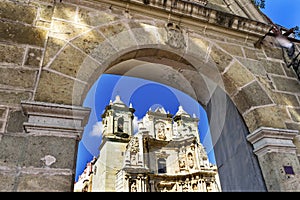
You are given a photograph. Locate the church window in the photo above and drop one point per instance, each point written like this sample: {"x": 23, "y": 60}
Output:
{"x": 162, "y": 167}
{"x": 120, "y": 124}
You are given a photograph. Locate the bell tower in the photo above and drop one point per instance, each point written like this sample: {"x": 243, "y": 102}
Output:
{"x": 117, "y": 131}
{"x": 117, "y": 120}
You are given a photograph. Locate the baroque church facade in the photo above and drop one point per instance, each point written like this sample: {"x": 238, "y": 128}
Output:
{"x": 165, "y": 155}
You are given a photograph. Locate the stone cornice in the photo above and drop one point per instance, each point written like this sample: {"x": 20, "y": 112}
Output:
{"x": 195, "y": 15}
{"x": 54, "y": 119}
{"x": 56, "y": 110}
{"x": 267, "y": 140}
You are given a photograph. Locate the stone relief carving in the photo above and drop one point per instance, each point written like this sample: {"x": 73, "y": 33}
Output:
{"x": 175, "y": 37}
{"x": 133, "y": 187}
{"x": 181, "y": 164}
{"x": 133, "y": 146}
{"x": 190, "y": 160}
{"x": 160, "y": 128}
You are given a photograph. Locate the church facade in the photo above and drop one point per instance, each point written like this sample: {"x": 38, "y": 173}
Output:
{"x": 165, "y": 155}
{"x": 224, "y": 54}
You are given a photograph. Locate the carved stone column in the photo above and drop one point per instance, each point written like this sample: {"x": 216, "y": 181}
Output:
{"x": 53, "y": 132}
{"x": 277, "y": 157}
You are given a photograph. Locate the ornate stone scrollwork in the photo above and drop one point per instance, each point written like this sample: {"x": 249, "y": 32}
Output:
{"x": 175, "y": 36}
{"x": 133, "y": 146}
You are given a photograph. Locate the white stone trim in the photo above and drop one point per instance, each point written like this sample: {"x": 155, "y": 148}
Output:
{"x": 267, "y": 140}
{"x": 54, "y": 119}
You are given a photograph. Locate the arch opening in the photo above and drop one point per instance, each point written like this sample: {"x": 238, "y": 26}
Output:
{"x": 178, "y": 73}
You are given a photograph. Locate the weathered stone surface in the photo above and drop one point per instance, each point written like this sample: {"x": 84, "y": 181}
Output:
{"x": 274, "y": 53}
{"x": 103, "y": 51}
{"x": 232, "y": 49}
{"x": 8, "y": 181}
{"x": 221, "y": 58}
{"x": 94, "y": 17}
{"x": 273, "y": 67}
{"x": 54, "y": 88}
{"x": 270, "y": 116}
{"x": 42, "y": 24}
{"x": 18, "y": 12}
{"x": 254, "y": 66}
{"x": 88, "y": 41}
{"x": 218, "y": 5}
{"x": 68, "y": 66}
{"x": 230, "y": 147}
{"x": 20, "y": 78}
{"x": 285, "y": 99}
{"x": 251, "y": 96}
{"x": 53, "y": 46}
{"x": 14, "y": 97}
{"x": 12, "y": 149}
{"x": 64, "y": 11}
{"x": 144, "y": 33}
{"x": 45, "y": 182}
{"x": 66, "y": 30}
{"x": 2, "y": 126}
{"x": 11, "y": 54}
{"x": 230, "y": 88}
{"x": 198, "y": 47}
{"x": 289, "y": 71}
{"x": 276, "y": 177}
{"x": 295, "y": 114}
{"x": 286, "y": 84}
{"x": 2, "y": 112}
{"x": 46, "y": 12}
{"x": 34, "y": 57}
{"x": 59, "y": 148}
{"x": 119, "y": 35}
{"x": 238, "y": 75}
{"x": 89, "y": 70}
{"x": 279, "y": 98}
{"x": 251, "y": 53}
{"x": 15, "y": 121}
{"x": 19, "y": 33}
{"x": 294, "y": 126}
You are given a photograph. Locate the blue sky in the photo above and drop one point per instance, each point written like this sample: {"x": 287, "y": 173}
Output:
{"x": 283, "y": 12}
{"x": 144, "y": 94}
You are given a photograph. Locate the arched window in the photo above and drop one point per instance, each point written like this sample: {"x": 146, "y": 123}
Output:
{"x": 120, "y": 124}
{"x": 162, "y": 166}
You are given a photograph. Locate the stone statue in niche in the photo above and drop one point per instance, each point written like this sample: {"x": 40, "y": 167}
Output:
{"x": 133, "y": 187}
{"x": 134, "y": 145}
{"x": 160, "y": 131}
{"x": 190, "y": 160}
{"x": 181, "y": 164}
{"x": 133, "y": 159}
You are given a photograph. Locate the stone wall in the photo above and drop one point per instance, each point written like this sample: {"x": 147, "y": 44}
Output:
{"x": 53, "y": 52}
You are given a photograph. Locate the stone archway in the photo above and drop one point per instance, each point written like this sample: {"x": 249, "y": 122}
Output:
{"x": 229, "y": 128}
{"x": 217, "y": 74}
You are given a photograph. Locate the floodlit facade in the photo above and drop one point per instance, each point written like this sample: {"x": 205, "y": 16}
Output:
{"x": 165, "y": 155}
